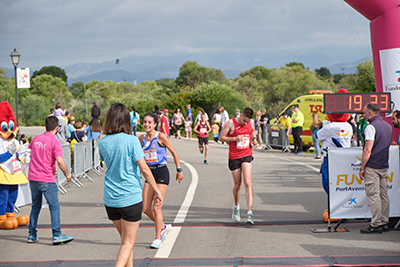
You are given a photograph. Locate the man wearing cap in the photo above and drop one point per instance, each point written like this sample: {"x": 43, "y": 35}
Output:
{"x": 95, "y": 111}
{"x": 164, "y": 127}
{"x": 286, "y": 121}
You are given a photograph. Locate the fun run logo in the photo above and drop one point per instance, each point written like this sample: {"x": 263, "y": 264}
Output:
{"x": 398, "y": 72}
{"x": 39, "y": 145}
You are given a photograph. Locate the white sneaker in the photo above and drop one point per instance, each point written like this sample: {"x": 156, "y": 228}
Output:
{"x": 236, "y": 213}
{"x": 164, "y": 232}
{"x": 157, "y": 243}
{"x": 250, "y": 219}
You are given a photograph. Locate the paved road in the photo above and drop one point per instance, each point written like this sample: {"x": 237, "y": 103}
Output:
{"x": 288, "y": 202}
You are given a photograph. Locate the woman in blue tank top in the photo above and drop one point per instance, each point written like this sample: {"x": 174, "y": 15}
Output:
{"x": 155, "y": 145}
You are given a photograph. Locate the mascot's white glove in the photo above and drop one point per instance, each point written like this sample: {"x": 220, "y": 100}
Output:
{"x": 325, "y": 122}
{"x": 13, "y": 146}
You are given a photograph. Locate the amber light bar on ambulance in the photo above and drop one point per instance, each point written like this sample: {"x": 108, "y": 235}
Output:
{"x": 355, "y": 102}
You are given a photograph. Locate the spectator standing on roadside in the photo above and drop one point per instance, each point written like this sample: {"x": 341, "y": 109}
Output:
{"x": 237, "y": 111}
{"x": 188, "y": 127}
{"x": 62, "y": 130}
{"x": 124, "y": 158}
{"x": 374, "y": 166}
{"x": 46, "y": 152}
{"x": 178, "y": 121}
{"x": 315, "y": 126}
{"x": 189, "y": 112}
{"x": 396, "y": 124}
{"x": 215, "y": 131}
{"x": 71, "y": 127}
{"x": 59, "y": 111}
{"x": 78, "y": 134}
{"x": 258, "y": 129}
{"x": 241, "y": 135}
{"x": 93, "y": 131}
{"x": 164, "y": 128}
{"x": 198, "y": 117}
{"x": 135, "y": 120}
{"x": 95, "y": 112}
{"x": 202, "y": 128}
{"x": 66, "y": 116}
{"x": 224, "y": 120}
{"x": 297, "y": 128}
{"x": 286, "y": 121}
{"x": 264, "y": 122}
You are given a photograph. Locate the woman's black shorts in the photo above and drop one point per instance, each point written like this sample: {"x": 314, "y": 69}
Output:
{"x": 178, "y": 127}
{"x": 234, "y": 164}
{"x": 131, "y": 213}
{"x": 160, "y": 173}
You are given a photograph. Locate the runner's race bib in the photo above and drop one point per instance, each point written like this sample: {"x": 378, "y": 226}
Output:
{"x": 245, "y": 143}
{"x": 203, "y": 130}
{"x": 150, "y": 156}
{"x": 16, "y": 166}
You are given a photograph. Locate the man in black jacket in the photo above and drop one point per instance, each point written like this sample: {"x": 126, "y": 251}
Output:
{"x": 95, "y": 111}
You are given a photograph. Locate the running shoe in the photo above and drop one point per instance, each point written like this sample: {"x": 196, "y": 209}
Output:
{"x": 32, "y": 239}
{"x": 62, "y": 239}
{"x": 164, "y": 232}
{"x": 317, "y": 158}
{"x": 157, "y": 243}
{"x": 250, "y": 219}
{"x": 205, "y": 162}
{"x": 236, "y": 214}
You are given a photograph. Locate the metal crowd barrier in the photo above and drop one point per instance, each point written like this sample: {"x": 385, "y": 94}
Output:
{"x": 79, "y": 162}
{"x": 96, "y": 157}
{"x": 60, "y": 177}
{"x": 265, "y": 136}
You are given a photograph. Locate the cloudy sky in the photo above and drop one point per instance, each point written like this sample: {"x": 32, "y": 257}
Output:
{"x": 66, "y": 32}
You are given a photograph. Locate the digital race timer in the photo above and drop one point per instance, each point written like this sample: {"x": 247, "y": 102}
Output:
{"x": 355, "y": 102}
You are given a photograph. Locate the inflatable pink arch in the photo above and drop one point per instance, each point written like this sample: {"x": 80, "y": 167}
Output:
{"x": 385, "y": 39}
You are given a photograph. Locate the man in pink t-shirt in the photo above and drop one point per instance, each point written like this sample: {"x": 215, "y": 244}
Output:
{"x": 46, "y": 152}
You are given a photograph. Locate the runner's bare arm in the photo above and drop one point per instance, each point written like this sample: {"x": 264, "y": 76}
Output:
{"x": 195, "y": 127}
{"x": 163, "y": 139}
{"x": 228, "y": 128}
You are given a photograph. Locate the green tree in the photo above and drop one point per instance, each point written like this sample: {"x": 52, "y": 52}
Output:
{"x": 53, "y": 71}
{"x": 49, "y": 87}
{"x": 209, "y": 96}
{"x": 365, "y": 77}
{"x": 295, "y": 65}
{"x": 77, "y": 89}
{"x": 257, "y": 72}
{"x": 323, "y": 72}
{"x": 7, "y": 86}
{"x": 192, "y": 74}
{"x": 337, "y": 78}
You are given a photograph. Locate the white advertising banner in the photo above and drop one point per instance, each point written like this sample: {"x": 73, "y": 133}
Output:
{"x": 390, "y": 66}
{"x": 347, "y": 199}
{"x": 24, "y": 78}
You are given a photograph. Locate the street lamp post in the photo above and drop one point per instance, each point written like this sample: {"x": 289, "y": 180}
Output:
{"x": 15, "y": 60}
{"x": 117, "y": 62}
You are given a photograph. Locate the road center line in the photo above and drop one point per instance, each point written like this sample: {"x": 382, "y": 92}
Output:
{"x": 169, "y": 242}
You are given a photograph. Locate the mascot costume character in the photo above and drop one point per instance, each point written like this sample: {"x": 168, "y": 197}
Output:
{"x": 10, "y": 169}
{"x": 336, "y": 132}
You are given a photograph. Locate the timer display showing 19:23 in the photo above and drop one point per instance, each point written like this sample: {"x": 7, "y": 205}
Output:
{"x": 355, "y": 102}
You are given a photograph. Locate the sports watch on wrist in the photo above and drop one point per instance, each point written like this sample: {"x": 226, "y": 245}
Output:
{"x": 179, "y": 169}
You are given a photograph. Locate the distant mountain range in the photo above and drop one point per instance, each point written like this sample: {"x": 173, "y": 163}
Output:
{"x": 139, "y": 69}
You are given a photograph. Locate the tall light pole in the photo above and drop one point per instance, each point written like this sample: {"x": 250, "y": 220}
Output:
{"x": 15, "y": 60}
{"x": 117, "y": 62}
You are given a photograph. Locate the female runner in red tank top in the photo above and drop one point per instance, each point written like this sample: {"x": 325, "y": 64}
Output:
{"x": 241, "y": 135}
